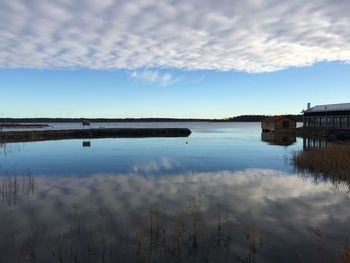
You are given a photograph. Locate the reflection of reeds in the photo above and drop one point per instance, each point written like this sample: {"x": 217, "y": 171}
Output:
{"x": 12, "y": 185}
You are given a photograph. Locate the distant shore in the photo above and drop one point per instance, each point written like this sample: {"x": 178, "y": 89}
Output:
{"x": 242, "y": 118}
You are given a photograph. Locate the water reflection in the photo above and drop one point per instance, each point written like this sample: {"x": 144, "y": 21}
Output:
{"x": 315, "y": 143}
{"x": 324, "y": 160}
{"x": 162, "y": 165}
{"x": 86, "y": 143}
{"x": 278, "y": 138}
{"x": 210, "y": 148}
{"x": 13, "y": 186}
{"x": 8, "y": 149}
{"x": 253, "y": 215}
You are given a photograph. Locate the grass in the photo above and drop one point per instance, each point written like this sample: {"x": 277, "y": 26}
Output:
{"x": 161, "y": 238}
{"x": 332, "y": 162}
{"x": 13, "y": 186}
{"x": 160, "y": 241}
{"x": 344, "y": 256}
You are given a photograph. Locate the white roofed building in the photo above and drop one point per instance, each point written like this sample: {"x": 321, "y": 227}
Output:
{"x": 328, "y": 116}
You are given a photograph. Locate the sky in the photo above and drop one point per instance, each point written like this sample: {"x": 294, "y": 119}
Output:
{"x": 180, "y": 59}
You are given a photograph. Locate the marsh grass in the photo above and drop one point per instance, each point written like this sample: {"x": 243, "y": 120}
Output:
{"x": 13, "y": 186}
{"x": 183, "y": 237}
{"x": 162, "y": 238}
{"x": 332, "y": 162}
{"x": 253, "y": 241}
{"x": 321, "y": 244}
{"x": 344, "y": 256}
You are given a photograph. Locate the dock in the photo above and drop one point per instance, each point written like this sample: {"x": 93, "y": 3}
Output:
{"x": 45, "y": 135}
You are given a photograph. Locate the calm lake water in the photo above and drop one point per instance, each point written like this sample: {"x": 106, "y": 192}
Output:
{"x": 226, "y": 193}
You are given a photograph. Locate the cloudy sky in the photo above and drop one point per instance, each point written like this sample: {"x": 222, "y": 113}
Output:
{"x": 147, "y": 58}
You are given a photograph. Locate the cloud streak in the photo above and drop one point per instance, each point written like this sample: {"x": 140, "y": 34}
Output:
{"x": 251, "y": 36}
{"x": 154, "y": 77}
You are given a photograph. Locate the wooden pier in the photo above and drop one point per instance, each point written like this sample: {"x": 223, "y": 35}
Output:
{"x": 28, "y": 136}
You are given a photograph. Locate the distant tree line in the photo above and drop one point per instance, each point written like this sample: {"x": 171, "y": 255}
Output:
{"x": 51, "y": 120}
{"x": 241, "y": 118}
{"x": 258, "y": 118}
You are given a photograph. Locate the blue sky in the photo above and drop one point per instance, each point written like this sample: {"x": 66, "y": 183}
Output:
{"x": 198, "y": 59}
{"x": 200, "y": 94}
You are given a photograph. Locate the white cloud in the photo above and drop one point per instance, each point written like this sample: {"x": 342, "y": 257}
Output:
{"x": 251, "y": 36}
{"x": 154, "y": 77}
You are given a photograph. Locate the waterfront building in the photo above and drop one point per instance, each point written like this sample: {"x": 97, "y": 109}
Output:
{"x": 328, "y": 116}
{"x": 275, "y": 123}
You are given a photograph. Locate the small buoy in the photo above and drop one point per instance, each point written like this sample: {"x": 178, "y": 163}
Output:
{"x": 186, "y": 142}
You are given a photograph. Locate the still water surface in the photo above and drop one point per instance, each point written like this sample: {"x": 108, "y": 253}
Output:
{"x": 224, "y": 194}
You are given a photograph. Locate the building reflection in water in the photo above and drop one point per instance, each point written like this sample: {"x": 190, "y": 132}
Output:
{"x": 278, "y": 138}
{"x": 315, "y": 143}
{"x": 86, "y": 143}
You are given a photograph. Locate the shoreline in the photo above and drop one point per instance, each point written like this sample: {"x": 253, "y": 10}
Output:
{"x": 240, "y": 118}
{"x": 23, "y": 126}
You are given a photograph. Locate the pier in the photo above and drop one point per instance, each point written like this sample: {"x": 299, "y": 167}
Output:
{"x": 27, "y": 136}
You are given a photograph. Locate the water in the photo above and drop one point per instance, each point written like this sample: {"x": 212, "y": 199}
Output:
{"x": 211, "y": 147}
{"x": 225, "y": 193}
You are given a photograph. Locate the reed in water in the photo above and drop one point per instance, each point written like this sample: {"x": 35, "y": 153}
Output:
{"x": 332, "y": 161}
{"x": 13, "y": 186}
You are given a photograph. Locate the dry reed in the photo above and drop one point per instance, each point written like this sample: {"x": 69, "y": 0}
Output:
{"x": 332, "y": 161}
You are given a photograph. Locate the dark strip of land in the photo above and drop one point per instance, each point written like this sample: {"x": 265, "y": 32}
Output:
{"x": 19, "y": 125}
{"x": 27, "y": 136}
{"x": 242, "y": 118}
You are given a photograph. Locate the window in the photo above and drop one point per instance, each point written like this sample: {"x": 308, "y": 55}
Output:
{"x": 313, "y": 122}
{"x": 329, "y": 122}
{"x": 309, "y": 122}
{"x": 317, "y": 121}
{"x": 345, "y": 122}
{"x": 336, "y": 122}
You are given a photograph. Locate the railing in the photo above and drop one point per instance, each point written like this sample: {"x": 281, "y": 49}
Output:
{"x": 328, "y": 122}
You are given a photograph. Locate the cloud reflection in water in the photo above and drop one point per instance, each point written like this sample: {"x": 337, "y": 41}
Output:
{"x": 284, "y": 208}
